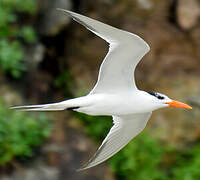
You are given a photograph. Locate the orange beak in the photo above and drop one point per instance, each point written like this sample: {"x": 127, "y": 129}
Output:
{"x": 178, "y": 104}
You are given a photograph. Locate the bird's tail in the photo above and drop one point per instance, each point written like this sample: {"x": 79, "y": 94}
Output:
{"x": 64, "y": 105}
{"x": 41, "y": 107}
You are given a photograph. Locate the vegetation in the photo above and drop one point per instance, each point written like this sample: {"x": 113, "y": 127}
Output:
{"x": 64, "y": 81}
{"x": 140, "y": 159}
{"x": 20, "y": 133}
{"x": 13, "y": 35}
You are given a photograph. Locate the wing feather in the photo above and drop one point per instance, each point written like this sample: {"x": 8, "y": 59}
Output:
{"x": 124, "y": 129}
{"x": 125, "y": 51}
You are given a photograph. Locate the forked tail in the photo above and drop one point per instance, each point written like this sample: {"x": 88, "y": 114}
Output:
{"x": 42, "y": 107}
{"x": 64, "y": 105}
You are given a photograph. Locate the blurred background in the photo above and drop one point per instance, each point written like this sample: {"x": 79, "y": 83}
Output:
{"x": 45, "y": 57}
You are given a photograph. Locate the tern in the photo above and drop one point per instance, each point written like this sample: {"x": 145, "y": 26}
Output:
{"x": 115, "y": 93}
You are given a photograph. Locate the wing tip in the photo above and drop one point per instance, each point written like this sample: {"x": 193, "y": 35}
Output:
{"x": 82, "y": 168}
{"x": 86, "y": 166}
{"x": 91, "y": 163}
{"x": 66, "y": 11}
{"x": 61, "y": 9}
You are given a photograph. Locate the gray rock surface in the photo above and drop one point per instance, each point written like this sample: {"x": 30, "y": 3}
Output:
{"x": 52, "y": 21}
{"x": 188, "y": 13}
{"x": 145, "y": 4}
{"x": 34, "y": 54}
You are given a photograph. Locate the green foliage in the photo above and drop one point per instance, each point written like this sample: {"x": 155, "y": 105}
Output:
{"x": 187, "y": 164}
{"x": 96, "y": 126}
{"x": 28, "y": 34}
{"x": 64, "y": 81}
{"x": 11, "y": 54}
{"x": 145, "y": 158}
{"x": 13, "y": 34}
{"x": 20, "y": 133}
{"x": 140, "y": 160}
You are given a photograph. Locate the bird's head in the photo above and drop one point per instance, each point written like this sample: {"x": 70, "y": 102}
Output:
{"x": 162, "y": 100}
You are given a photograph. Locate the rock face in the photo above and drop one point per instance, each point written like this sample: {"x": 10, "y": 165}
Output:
{"x": 52, "y": 21}
{"x": 34, "y": 55}
{"x": 188, "y": 13}
{"x": 145, "y": 4}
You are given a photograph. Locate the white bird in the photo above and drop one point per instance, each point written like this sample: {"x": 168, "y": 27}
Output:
{"x": 115, "y": 92}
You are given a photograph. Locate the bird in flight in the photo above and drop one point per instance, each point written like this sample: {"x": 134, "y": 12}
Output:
{"x": 115, "y": 93}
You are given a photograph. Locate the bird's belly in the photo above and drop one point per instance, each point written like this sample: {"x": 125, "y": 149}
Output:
{"x": 113, "y": 105}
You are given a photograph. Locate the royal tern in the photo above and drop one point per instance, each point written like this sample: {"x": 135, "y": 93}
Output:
{"x": 115, "y": 93}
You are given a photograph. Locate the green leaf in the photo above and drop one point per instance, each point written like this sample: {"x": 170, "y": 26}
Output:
{"x": 13, "y": 35}
{"x": 28, "y": 34}
{"x": 20, "y": 133}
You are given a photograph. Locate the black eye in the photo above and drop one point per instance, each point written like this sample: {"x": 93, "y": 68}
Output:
{"x": 160, "y": 97}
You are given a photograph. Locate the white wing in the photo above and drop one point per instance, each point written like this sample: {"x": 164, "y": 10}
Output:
{"x": 124, "y": 129}
{"x": 126, "y": 50}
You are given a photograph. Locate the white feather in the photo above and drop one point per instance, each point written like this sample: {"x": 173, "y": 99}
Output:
{"x": 126, "y": 50}
{"x": 124, "y": 129}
